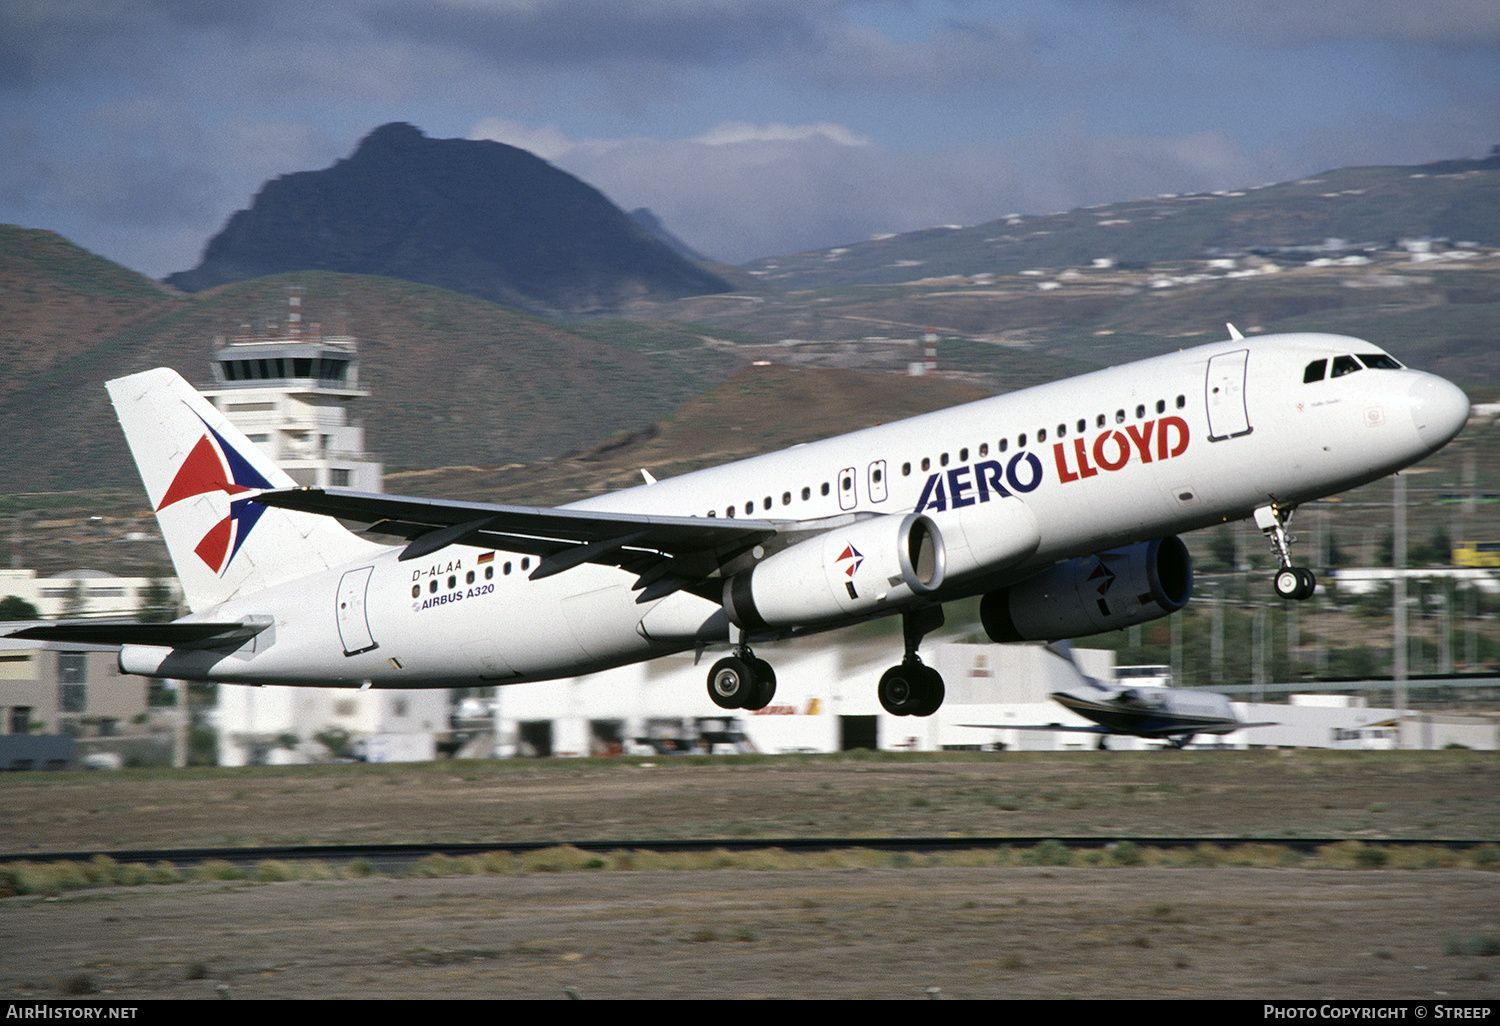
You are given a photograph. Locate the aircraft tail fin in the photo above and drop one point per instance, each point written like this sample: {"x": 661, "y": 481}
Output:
{"x": 1064, "y": 651}
{"x": 201, "y": 474}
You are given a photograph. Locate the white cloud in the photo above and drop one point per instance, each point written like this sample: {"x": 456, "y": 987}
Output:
{"x": 548, "y": 142}
{"x": 740, "y": 191}
{"x": 732, "y": 133}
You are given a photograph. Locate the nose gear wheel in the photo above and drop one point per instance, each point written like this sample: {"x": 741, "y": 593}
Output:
{"x": 1291, "y": 582}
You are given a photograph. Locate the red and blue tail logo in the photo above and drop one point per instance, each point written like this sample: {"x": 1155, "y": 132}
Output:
{"x": 215, "y": 467}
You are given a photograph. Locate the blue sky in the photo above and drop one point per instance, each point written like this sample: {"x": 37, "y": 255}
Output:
{"x": 751, "y": 127}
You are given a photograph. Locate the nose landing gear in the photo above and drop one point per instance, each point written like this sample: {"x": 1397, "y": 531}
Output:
{"x": 1291, "y": 582}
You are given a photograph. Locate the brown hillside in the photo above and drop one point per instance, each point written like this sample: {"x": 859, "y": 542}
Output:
{"x": 58, "y": 301}
{"x": 453, "y": 379}
{"x": 760, "y": 409}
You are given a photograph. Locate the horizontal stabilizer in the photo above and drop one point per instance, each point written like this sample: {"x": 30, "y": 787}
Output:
{"x": 130, "y": 632}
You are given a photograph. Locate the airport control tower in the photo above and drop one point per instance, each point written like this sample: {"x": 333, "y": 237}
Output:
{"x": 290, "y": 391}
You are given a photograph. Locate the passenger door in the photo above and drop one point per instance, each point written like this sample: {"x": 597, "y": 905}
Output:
{"x": 847, "y": 495}
{"x": 1228, "y": 413}
{"x": 354, "y": 625}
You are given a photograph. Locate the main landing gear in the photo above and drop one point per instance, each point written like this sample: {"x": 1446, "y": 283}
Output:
{"x": 742, "y": 681}
{"x": 913, "y": 689}
{"x": 1291, "y": 582}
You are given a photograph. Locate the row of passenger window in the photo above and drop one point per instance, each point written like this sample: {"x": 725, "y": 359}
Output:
{"x": 877, "y": 475}
{"x": 1342, "y": 365}
{"x": 469, "y": 578}
{"x": 1082, "y": 425}
{"x": 766, "y": 503}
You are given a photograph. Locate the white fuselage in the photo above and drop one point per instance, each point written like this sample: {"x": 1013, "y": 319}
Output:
{"x": 1137, "y": 452}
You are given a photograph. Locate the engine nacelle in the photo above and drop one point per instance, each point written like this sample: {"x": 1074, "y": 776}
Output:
{"x": 864, "y": 568}
{"x": 1103, "y": 592}
{"x": 982, "y": 538}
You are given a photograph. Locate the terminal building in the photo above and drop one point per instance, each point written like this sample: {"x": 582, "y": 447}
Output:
{"x": 61, "y": 703}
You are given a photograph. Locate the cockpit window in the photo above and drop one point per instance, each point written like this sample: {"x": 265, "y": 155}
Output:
{"x": 1344, "y": 365}
{"x": 1378, "y": 361}
{"x": 1314, "y": 372}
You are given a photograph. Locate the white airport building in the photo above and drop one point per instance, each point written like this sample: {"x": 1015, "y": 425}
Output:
{"x": 280, "y": 725}
{"x": 83, "y": 592}
{"x": 826, "y": 702}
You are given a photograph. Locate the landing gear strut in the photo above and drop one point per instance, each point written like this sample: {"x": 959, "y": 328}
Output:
{"x": 913, "y": 689}
{"x": 741, "y": 681}
{"x": 1291, "y": 582}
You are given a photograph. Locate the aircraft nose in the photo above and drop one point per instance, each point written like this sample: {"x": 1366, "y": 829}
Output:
{"x": 1439, "y": 410}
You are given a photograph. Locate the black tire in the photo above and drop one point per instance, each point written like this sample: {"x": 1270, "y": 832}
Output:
{"x": 1295, "y": 582}
{"x": 901, "y": 690}
{"x": 765, "y": 685}
{"x": 933, "y": 691}
{"x": 731, "y": 683}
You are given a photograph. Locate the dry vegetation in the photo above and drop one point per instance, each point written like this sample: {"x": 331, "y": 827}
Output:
{"x": 1297, "y": 794}
{"x": 1353, "y": 920}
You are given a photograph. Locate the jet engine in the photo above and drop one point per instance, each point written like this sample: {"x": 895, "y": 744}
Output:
{"x": 869, "y": 566}
{"x": 984, "y": 537}
{"x": 1103, "y": 592}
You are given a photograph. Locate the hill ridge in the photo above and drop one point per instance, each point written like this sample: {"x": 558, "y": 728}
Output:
{"x": 473, "y": 216}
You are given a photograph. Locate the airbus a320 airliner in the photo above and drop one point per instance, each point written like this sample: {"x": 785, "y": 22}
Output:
{"x": 1060, "y": 505}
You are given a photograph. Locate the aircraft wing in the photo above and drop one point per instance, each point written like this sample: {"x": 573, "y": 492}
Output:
{"x": 129, "y": 632}
{"x": 667, "y": 552}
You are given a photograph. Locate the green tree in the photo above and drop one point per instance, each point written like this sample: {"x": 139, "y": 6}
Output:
{"x": 157, "y": 603}
{"x": 1360, "y": 661}
{"x": 337, "y": 740}
{"x": 1336, "y": 556}
{"x": 13, "y": 607}
{"x": 1221, "y": 550}
{"x": 1385, "y": 552}
{"x": 1437, "y": 552}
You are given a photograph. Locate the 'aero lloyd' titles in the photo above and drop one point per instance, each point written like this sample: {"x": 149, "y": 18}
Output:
{"x": 1114, "y": 449}
{"x": 1148, "y": 442}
